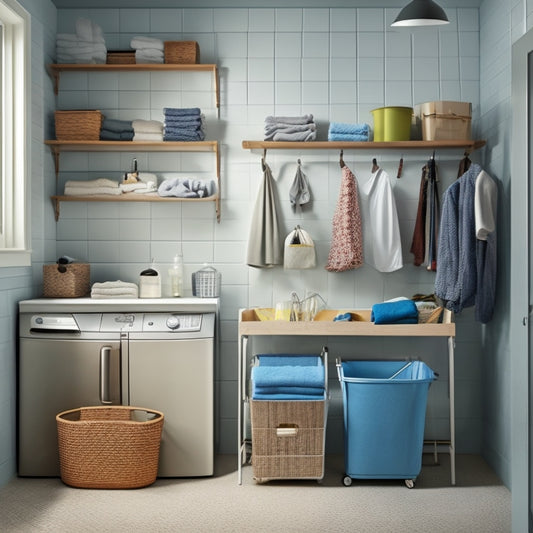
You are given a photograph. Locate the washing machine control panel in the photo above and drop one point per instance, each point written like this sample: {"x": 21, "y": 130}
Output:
{"x": 173, "y": 322}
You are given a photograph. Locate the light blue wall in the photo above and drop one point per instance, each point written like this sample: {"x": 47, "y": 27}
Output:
{"x": 21, "y": 283}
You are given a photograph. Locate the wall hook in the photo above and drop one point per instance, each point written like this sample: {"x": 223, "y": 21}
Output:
{"x": 341, "y": 160}
{"x": 375, "y": 166}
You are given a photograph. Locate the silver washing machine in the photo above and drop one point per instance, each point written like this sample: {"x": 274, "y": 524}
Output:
{"x": 153, "y": 359}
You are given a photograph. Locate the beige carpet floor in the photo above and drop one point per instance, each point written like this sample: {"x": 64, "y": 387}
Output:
{"x": 479, "y": 503}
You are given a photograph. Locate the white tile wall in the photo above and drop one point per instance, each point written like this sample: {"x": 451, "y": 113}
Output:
{"x": 336, "y": 63}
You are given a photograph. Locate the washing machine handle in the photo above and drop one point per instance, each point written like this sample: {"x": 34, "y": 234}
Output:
{"x": 105, "y": 361}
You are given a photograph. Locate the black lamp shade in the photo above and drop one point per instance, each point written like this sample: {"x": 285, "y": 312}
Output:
{"x": 421, "y": 13}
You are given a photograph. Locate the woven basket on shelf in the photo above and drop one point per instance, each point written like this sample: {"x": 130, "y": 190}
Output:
{"x": 120, "y": 58}
{"x": 109, "y": 447}
{"x": 78, "y": 125}
{"x": 66, "y": 281}
{"x": 206, "y": 283}
{"x": 430, "y": 315}
{"x": 182, "y": 52}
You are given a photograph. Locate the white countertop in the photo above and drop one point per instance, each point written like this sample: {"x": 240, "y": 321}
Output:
{"x": 114, "y": 305}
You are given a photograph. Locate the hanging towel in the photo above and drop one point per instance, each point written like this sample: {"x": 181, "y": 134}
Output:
{"x": 381, "y": 229}
{"x": 346, "y": 250}
{"x": 265, "y": 245}
{"x": 396, "y": 312}
{"x": 299, "y": 192}
{"x": 418, "y": 248}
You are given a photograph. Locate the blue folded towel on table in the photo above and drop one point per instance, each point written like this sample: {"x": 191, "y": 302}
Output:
{"x": 396, "y": 312}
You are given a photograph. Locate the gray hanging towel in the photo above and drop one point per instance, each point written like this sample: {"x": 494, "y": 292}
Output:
{"x": 346, "y": 249}
{"x": 265, "y": 246}
{"x": 299, "y": 192}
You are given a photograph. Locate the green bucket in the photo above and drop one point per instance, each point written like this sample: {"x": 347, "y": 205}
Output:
{"x": 392, "y": 123}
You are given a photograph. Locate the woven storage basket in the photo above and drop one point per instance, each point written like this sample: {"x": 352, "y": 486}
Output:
{"x": 288, "y": 439}
{"x": 66, "y": 281}
{"x": 78, "y": 125}
{"x": 206, "y": 283}
{"x": 120, "y": 58}
{"x": 182, "y": 52}
{"x": 430, "y": 315}
{"x": 108, "y": 447}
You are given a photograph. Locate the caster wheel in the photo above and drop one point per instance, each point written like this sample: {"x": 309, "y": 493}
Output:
{"x": 410, "y": 483}
{"x": 347, "y": 480}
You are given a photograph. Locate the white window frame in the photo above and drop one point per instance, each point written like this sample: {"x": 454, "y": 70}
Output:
{"x": 15, "y": 137}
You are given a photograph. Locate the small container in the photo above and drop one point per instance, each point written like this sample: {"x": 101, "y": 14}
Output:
{"x": 392, "y": 123}
{"x": 150, "y": 283}
{"x": 176, "y": 276}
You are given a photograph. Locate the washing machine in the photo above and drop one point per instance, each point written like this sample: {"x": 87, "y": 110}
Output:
{"x": 156, "y": 354}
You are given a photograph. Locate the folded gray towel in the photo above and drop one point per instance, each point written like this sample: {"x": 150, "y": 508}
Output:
{"x": 305, "y": 119}
{"x": 299, "y": 136}
{"x": 271, "y": 131}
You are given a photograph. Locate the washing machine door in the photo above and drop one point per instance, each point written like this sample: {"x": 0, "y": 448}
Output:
{"x": 56, "y": 375}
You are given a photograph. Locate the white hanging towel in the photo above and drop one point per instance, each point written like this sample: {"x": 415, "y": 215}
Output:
{"x": 381, "y": 230}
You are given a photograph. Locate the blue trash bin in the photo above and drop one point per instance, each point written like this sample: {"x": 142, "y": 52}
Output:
{"x": 384, "y": 416}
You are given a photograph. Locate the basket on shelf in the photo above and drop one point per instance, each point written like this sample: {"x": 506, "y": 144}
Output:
{"x": 206, "y": 283}
{"x": 429, "y": 315}
{"x": 109, "y": 447}
{"x": 120, "y": 58}
{"x": 79, "y": 125}
{"x": 182, "y": 52}
{"x": 66, "y": 281}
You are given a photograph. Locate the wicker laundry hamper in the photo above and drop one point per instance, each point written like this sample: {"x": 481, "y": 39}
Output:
{"x": 66, "y": 281}
{"x": 109, "y": 447}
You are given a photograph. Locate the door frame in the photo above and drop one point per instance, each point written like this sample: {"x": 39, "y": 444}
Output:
{"x": 519, "y": 345}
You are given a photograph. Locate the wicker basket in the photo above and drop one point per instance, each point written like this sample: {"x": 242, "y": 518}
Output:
{"x": 288, "y": 439}
{"x": 78, "y": 125}
{"x": 182, "y": 52}
{"x": 66, "y": 281}
{"x": 206, "y": 283}
{"x": 430, "y": 315}
{"x": 120, "y": 58}
{"x": 109, "y": 447}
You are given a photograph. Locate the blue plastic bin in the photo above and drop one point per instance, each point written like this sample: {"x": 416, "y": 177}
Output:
{"x": 384, "y": 417}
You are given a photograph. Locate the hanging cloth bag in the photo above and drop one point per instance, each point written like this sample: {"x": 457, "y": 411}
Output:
{"x": 299, "y": 194}
{"x": 299, "y": 251}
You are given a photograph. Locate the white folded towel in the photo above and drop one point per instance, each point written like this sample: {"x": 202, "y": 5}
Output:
{"x": 147, "y": 42}
{"x": 149, "y": 187}
{"x": 92, "y": 191}
{"x": 147, "y": 126}
{"x": 118, "y": 284}
{"x": 88, "y": 30}
{"x": 148, "y": 58}
{"x": 129, "y": 187}
{"x": 144, "y": 136}
{"x": 99, "y": 182}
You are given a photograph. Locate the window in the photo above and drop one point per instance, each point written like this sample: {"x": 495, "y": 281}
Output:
{"x": 14, "y": 133}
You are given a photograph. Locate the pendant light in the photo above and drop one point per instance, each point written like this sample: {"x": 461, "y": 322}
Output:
{"x": 421, "y": 13}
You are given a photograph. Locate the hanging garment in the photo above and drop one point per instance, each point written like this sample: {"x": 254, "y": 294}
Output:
{"x": 467, "y": 245}
{"x": 418, "y": 245}
{"x": 299, "y": 192}
{"x": 464, "y": 165}
{"x": 346, "y": 249}
{"x": 381, "y": 230}
{"x": 265, "y": 246}
{"x": 433, "y": 215}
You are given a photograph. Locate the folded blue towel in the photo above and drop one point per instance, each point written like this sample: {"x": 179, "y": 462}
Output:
{"x": 289, "y": 360}
{"x": 189, "y": 124}
{"x": 289, "y": 397}
{"x": 183, "y": 135}
{"x": 285, "y": 376}
{"x": 352, "y": 129}
{"x": 118, "y": 126}
{"x": 108, "y": 135}
{"x": 348, "y": 137}
{"x": 397, "y": 312}
{"x": 257, "y": 389}
{"x": 181, "y": 111}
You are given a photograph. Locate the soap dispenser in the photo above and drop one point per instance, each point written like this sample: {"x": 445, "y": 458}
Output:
{"x": 150, "y": 283}
{"x": 176, "y": 276}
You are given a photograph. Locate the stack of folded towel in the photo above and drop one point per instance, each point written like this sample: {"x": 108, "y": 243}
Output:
{"x": 342, "y": 131}
{"x": 92, "y": 187}
{"x": 400, "y": 311}
{"x": 183, "y": 124}
{"x": 290, "y": 128}
{"x": 87, "y": 45}
{"x": 288, "y": 377}
{"x": 187, "y": 188}
{"x": 114, "y": 289}
{"x": 148, "y": 49}
{"x": 116, "y": 130}
{"x": 146, "y": 183}
{"x": 147, "y": 130}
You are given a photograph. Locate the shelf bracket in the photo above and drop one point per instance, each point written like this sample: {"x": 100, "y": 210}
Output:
{"x": 55, "y": 153}
{"x": 57, "y": 204}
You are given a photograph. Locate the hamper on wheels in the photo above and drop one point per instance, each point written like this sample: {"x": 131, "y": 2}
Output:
{"x": 384, "y": 406}
{"x": 109, "y": 447}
